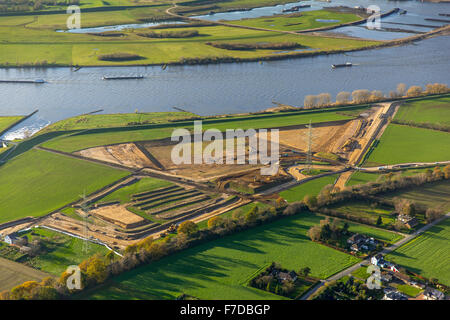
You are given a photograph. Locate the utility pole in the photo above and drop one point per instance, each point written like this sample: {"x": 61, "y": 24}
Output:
{"x": 85, "y": 208}
{"x": 309, "y": 152}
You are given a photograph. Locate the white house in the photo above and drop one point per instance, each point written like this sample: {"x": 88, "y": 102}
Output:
{"x": 10, "y": 239}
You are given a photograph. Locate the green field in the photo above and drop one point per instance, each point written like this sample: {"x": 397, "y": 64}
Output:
{"x": 307, "y": 20}
{"x": 403, "y": 144}
{"x": 429, "y": 110}
{"x": 221, "y": 268}
{"x": 312, "y": 187}
{"x": 115, "y": 120}
{"x": 427, "y": 255}
{"x": 5, "y": 122}
{"x": 435, "y": 195}
{"x": 38, "y": 182}
{"x": 241, "y": 210}
{"x": 123, "y": 195}
{"x": 359, "y": 177}
{"x": 32, "y": 40}
{"x": 409, "y": 290}
{"x": 61, "y": 251}
{"x": 83, "y": 141}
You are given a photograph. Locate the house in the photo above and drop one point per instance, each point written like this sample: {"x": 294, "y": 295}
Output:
{"x": 433, "y": 294}
{"x": 356, "y": 238}
{"x": 288, "y": 276}
{"x": 386, "y": 277}
{"x": 394, "y": 295}
{"x": 402, "y": 277}
{"x": 378, "y": 260}
{"x": 394, "y": 268}
{"x": 408, "y": 221}
{"x": 11, "y": 239}
{"x": 25, "y": 249}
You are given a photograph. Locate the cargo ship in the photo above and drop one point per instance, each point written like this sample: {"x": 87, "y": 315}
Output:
{"x": 347, "y": 64}
{"x": 296, "y": 8}
{"x": 23, "y": 81}
{"x": 123, "y": 77}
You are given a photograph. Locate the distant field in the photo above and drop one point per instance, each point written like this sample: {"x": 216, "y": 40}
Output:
{"x": 402, "y": 144}
{"x": 429, "y": 110}
{"x": 221, "y": 268}
{"x": 5, "y": 122}
{"x": 307, "y": 20}
{"x": 63, "y": 250}
{"x": 83, "y": 141}
{"x": 241, "y": 210}
{"x": 360, "y": 177}
{"x": 313, "y": 187}
{"x": 429, "y": 254}
{"x": 12, "y": 274}
{"x": 38, "y": 182}
{"x": 436, "y": 195}
{"x": 365, "y": 210}
{"x": 115, "y": 120}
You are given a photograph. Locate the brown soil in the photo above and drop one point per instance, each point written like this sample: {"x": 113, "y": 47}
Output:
{"x": 119, "y": 215}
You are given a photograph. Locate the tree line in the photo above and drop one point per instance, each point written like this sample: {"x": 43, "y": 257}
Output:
{"x": 366, "y": 96}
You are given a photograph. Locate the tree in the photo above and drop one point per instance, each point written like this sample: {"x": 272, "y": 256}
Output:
{"x": 379, "y": 221}
{"x": 361, "y": 96}
{"x": 252, "y": 214}
{"x": 447, "y": 171}
{"x": 214, "y": 222}
{"x": 401, "y": 89}
{"x": 305, "y": 271}
{"x": 437, "y": 173}
{"x": 310, "y": 201}
{"x": 323, "y": 99}
{"x": 310, "y": 101}
{"x": 188, "y": 227}
{"x": 110, "y": 256}
{"x": 414, "y": 91}
{"x": 280, "y": 202}
{"x": 343, "y": 97}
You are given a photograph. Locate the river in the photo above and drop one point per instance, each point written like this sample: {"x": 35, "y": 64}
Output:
{"x": 219, "y": 89}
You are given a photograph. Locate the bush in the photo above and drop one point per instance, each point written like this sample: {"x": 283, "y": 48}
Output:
{"x": 119, "y": 56}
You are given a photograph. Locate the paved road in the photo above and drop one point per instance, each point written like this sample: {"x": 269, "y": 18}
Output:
{"x": 366, "y": 262}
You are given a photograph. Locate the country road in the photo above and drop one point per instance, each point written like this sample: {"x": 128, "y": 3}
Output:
{"x": 366, "y": 261}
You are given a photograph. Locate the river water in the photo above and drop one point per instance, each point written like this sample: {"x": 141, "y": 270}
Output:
{"x": 222, "y": 88}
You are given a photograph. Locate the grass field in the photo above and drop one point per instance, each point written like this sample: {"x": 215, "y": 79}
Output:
{"x": 386, "y": 236}
{"x": 12, "y": 274}
{"x": 429, "y": 110}
{"x": 313, "y": 187}
{"x": 403, "y": 144}
{"x": 220, "y": 269}
{"x": 83, "y": 141}
{"x": 115, "y": 120}
{"x": 32, "y": 40}
{"x": 307, "y": 20}
{"x": 61, "y": 251}
{"x": 360, "y": 177}
{"x": 436, "y": 195}
{"x": 241, "y": 210}
{"x": 427, "y": 255}
{"x": 38, "y": 182}
{"x": 5, "y": 122}
{"x": 123, "y": 195}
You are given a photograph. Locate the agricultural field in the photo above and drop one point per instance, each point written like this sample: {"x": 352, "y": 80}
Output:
{"x": 221, "y": 268}
{"x": 33, "y": 41}
{"x": 428, "y": 254}
{"x": 433, "y": 195}
{"x": 115, "y": 120}
{"x": 60, "y": 251}
{"x": 239, "y": 211}
{"x": 404, "y": 144}
{"x": 360, "y": 177}
{"x": 428, "y": 110}
{"x": 296, "y": 22}
{"x": 312, "y": 188}
{"x": 38, "y": 182}
{"x": 13, "y": 274}
{"x": 5, "y": 122}
{"x": 104, "y": 137}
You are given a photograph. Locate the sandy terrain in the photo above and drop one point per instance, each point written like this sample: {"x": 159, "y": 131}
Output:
{"x": 124, "y": 154}
{"x": 119, "y": 215}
